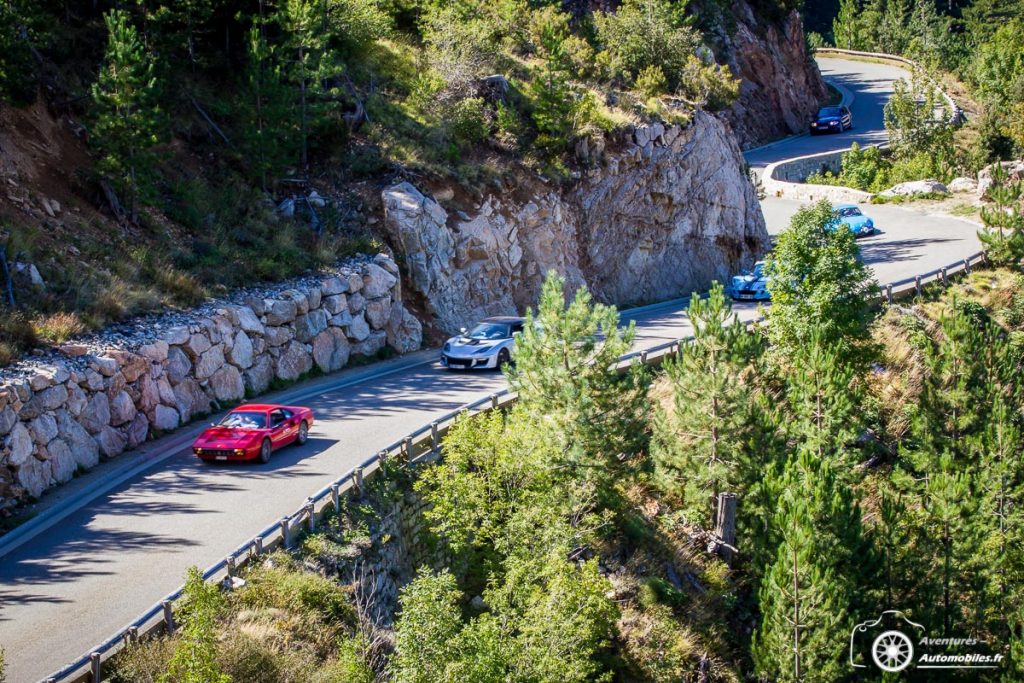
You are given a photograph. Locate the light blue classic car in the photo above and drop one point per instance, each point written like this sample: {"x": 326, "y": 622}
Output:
{"x": 851, "y": 216}
{"x": 750, "y": 285}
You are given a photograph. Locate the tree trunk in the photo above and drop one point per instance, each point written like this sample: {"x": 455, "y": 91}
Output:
{"x": 8, "y": 284}
{"x": 725, "y": 526}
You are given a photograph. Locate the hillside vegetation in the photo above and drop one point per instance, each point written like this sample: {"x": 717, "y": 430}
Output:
{"x": 875, "y": 454}
{"x": 147, "y": 144}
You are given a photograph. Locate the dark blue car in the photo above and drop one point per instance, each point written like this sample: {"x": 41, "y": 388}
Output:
{"x": 832, "y": 120}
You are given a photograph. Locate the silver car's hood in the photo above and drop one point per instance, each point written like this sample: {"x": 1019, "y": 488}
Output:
{"x": 464, "y": 346}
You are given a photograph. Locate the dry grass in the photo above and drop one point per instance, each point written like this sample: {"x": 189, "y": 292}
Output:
{"x": 57, "y": 328}
{"x": 17, "y": 335}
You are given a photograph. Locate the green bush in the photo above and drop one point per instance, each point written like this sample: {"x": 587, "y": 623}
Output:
{"x": 470, "y": 121}
{"x": 651, "y": 81}
{"x": 281, "y": 585}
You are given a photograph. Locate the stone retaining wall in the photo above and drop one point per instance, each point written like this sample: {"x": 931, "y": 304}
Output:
{"x": 786, "y": 179}
{"x": 99, "y": 396}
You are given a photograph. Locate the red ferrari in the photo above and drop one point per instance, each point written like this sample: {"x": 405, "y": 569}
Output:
{"x": 253, "y": 432}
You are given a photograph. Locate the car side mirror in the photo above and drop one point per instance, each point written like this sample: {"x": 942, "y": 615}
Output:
{"x": 463, "y": 330}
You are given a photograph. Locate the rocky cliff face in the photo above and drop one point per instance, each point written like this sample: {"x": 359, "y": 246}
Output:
{"x": 781, "y": 86}
{"x": 660, "y": 215}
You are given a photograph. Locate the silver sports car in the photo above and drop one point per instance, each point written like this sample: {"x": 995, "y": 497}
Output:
{"x": 490, "y": 344}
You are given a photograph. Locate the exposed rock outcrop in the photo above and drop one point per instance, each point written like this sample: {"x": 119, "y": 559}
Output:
{"x": 61, "y": 413}
{"x": 666, "y": 212}
{"x": 780, "y": 86}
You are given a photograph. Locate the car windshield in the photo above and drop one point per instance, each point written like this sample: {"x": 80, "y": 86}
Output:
{"x": 828, "y": 111}
{"x": 848, "y": 211}
{"x": 758, "y": 270}
{"x": 243, "y": 420}
{"x": 489, "y": 331}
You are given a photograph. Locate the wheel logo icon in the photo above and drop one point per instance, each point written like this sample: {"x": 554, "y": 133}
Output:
{"x": 892, "y": 651}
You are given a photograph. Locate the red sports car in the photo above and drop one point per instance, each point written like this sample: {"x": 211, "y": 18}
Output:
{"x": 254, "y": 431}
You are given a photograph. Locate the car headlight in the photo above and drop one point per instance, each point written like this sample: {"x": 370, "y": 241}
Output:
{"x": 239, "y": 451}
{"x": 447, "y": 347}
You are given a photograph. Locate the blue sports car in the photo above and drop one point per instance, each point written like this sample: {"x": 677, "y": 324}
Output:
{"x": 750, "y": 285}
{"x": 832, "y": 120}
{"x": 851, "y": 216}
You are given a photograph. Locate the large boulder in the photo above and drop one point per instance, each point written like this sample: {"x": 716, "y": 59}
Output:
{"x": 178, "y": 365}
{"x": 280, "y": 311}
{"x": 165, "y": 418}
{"x": 241, "y": 350}
{"x": 61, "y": 460}
{"x": 372, "y": 344}
{"x": 293, "y": 362}
{"x": 191, "y": 399}
{"x": 18, "y": 445}
{"x": 377, "y": 282}
{"x": 915, "y": 187}
{"x": 137, "y": 430}
{"x": 210, "y": 362}
{"x": 358, "y": 329}
{"x": 83, "y": 447}
{"x": 309, "y": 325}
{"x": 404, "y": 331}
{"x": 331, "y": 350}
{"x": 378, "y": 312}
{"x": 258, "y": 377}
{"x": 8, "y": 418}
{"x": 43, "y": 429}
{"x": 96, "y": 414}
{"x": 247, "y": 319}
{"x": 111, "y": 442}
{"x": 122, "y": 409}
{"x": 963, "y": 185}
{"x": 226, "y": 384}
{"x": 34, "y": 477}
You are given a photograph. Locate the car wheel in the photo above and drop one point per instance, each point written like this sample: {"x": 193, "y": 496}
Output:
{"x": 504, "y": 357}
{"x": 265, "y": 451}
{"x": 303, "y": 436}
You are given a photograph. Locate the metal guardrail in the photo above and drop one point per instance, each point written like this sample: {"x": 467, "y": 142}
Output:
{"x": 419, "y": 446}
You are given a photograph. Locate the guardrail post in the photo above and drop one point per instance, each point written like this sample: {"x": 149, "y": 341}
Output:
{"x": 917, "y": 284}
{"x": 168, "y": 616}
{"x": 336, "y": 497}
{"x": 888, "y": 293}
{"x": 494, "y": 401}
{"x": 945, "y": 277}
{"x": 96, "y": 667}
{"x": 407, "y": 447}
{"x": 311, "y": 510}
{"x": 643, "y": 358}
{"x": 357, "y": 479}
{"x": 967, "y": 266}
{"x": 132, "y": 634}
{"x": 435, "y": 437}
{"x": 382, "y": 456}
{"x": 229, "y": 562}
{"x": 285, "y": 533}
{"x": 258, "y": 545}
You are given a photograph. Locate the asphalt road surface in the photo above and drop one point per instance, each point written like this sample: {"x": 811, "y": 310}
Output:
{"x": 115, "y": 552}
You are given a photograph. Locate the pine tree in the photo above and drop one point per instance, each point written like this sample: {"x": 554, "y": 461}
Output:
{"x": 554, "y": 98}
{"x": 820, "y": 288}
{"x": 305, "y": 22}
{"x": 565, "y": 372}
{"x": 1003, "y": 235}
{"x": 269, "y": 138}
{"x": 700, "y": 445}
{"x": 804, "y": 600}
{"x": 846, "y": 28}
{"x": 125, "y": 114}
{"x": 824, "y": 399}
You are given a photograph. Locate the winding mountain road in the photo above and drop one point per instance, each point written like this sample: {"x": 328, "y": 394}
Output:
{"x": 118, "y": 539}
